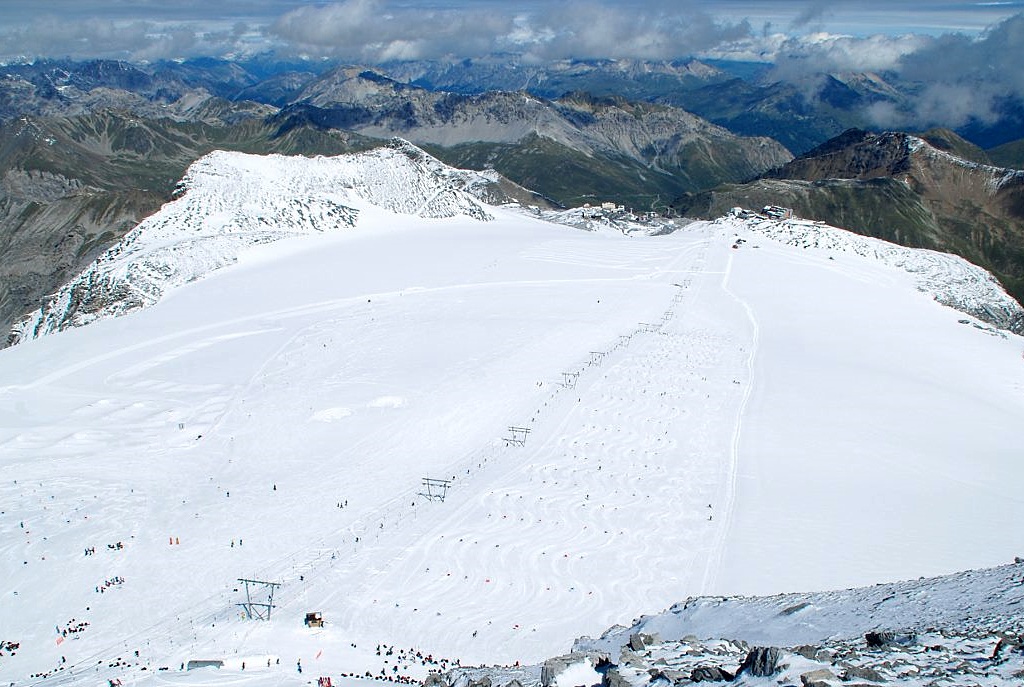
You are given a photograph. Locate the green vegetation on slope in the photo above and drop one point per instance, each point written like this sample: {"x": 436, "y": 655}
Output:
{"x": 568, "y": 177}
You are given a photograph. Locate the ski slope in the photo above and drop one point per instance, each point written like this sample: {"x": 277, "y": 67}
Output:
{"x": 703, "y": 419}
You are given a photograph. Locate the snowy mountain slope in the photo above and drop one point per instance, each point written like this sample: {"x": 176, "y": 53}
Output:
{"x": 913, "y": 191}
{"x": 948, "y": 278}
{"x": 977, "y": 600}
{"x": 231, "y": 201}
{"x": 689, "y": 405}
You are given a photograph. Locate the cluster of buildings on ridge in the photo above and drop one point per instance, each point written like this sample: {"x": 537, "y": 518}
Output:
{"x": 608, "y": 209}
{"x": 767, "y": 212}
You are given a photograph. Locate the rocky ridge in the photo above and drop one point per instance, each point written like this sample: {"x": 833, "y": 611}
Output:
{"x": 71, "y": 187}
{"x": 961, "y": 629}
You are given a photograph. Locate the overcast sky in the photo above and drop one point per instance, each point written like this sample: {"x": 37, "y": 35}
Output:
{"x": 967, "y": 55}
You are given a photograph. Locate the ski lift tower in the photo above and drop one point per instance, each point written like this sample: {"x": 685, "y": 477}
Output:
{"x": 258, "y": 610}
{"x": 437, "y": 489}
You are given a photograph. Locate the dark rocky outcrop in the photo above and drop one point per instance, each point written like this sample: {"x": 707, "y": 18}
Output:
{"x": 862, "y": 673}
{"x": 711, "y": 674}
{"x": 761, "y": 662}
{"x": 877, "y": 640}
{"x": 612, "y": 678}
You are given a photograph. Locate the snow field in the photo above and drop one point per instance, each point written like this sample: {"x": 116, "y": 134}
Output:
{"x": 872, "y": 410}
{"x": 607, "y": 514}
{"x": 205, "y": 424}
{"x": 275, "y": 419}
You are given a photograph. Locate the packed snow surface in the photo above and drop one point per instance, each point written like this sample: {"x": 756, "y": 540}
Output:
{"x": 704, "y": 417}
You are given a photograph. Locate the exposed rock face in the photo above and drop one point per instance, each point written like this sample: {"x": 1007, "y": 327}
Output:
{"x": 854, "y": 154}
{"x": 612, "y": 678}
{"x": 44, "y": 242}
{"x": 710, "y": 674}
{"x": 882, "y": 639}
{"x": 553, "y": 666}
{"x": 72, "y": 187}
{"x": 761, "y": 662}
{"x": 817, "y": 678}
{"x": 862, "y": 673}
{"x": 960, "y": 630}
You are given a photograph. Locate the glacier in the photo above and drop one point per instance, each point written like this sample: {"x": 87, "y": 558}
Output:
{"x": 707, "y": 418}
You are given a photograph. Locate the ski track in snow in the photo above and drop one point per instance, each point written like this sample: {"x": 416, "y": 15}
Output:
{"x": 393, "y": 515}
{"x": 535, "y": 534}
{"x": 728, "y": 498}
{"x": 392, "y": 520}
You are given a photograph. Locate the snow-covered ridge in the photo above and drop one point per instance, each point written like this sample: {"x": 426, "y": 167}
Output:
{"x": 963, "y": 628}
{"x": 949, "y": 279}
{"x": 228, "y": 202}
{"x": 975, "y": 600}
{"x": 1000, "y": 176}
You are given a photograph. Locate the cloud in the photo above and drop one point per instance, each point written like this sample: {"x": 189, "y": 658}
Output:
{"x": 370, "y": 30}
{"x": 809, "y": 15}
{"x": 963, "y": 78}
{"x": 948, "y": 80}
{"x": 796, "y": 58}
{"x": 91, "y": 38}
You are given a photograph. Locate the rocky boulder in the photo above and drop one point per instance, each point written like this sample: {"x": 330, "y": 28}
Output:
{"x": 711, "y": 674}
{"x": 761, "y": 662}
{"x": 818, "y": 678}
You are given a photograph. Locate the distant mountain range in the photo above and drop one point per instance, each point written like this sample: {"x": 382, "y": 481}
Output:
{"x": 746, "y": 98}
{"x": 575, "y": 149}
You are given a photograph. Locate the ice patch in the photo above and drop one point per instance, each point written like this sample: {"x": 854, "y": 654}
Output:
{"x": 387, "y": 402}
{"x": 581, "y": 673}
{"x": 331, "y": 414}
